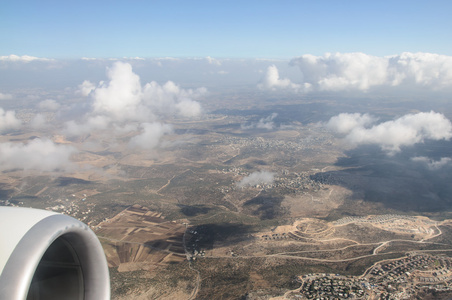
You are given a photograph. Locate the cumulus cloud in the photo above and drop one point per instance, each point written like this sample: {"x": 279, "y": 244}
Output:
{"x": 344, "y": 123}
{"x": 271, "y": 81}
{"x": 23, "y": 58}
{"x": 150, "y": 136}
{"x": 359, "y": 71}
{"x": 170, "y": 99}
{"x": 188, "y": 108}
{"x": 255, "y": 178}
{"x": 119, "y": 98}
{"x": 5, "y": 96}
{"x": 433, "y": 164}
{"x": 122, "y": 99}
{"x": 38, "y": 154}
{"x": 264, "y": 123}
{"x": 49, "y": 104}
{"x": 392, "y": 135}
{"x": 86, "y": 88}
{"x": 8, "y": 120}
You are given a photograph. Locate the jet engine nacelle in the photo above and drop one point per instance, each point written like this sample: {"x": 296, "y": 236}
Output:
{"x": 46, "y": 255}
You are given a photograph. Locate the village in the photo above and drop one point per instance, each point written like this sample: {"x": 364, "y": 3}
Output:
{"x": 391, "y": 279}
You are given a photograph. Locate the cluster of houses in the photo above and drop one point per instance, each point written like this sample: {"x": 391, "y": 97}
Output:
{"x": 275, "y": 236}
{"x": 330, "y": 286}
{"x": 395, "y": 279}
{"x": 373, "y": 219}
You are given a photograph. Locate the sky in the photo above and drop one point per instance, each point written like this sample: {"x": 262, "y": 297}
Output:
{"x": 222, "y": 29}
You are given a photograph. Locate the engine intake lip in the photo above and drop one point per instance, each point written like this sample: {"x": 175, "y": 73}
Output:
{"x": 17, "y": 274}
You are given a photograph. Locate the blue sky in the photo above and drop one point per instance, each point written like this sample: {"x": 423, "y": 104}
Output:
{"x": 226, "y": 29}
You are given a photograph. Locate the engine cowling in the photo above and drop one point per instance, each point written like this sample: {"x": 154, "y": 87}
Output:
{"x": 46, "y": 255}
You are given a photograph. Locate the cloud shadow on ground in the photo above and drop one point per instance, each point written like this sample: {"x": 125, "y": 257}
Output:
{"x": 398, "y": 182}
{"x": 265, "y": 206}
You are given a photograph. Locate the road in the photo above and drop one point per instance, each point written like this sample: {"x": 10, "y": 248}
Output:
{"x": 198, "y": 274}
{"x": 169, "y": 180}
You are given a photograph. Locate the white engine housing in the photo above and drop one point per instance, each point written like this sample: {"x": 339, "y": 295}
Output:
{"x": 46, "y": 255}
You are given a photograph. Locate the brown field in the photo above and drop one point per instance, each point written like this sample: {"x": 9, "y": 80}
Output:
{"x": 316, "y": 204}
{"x": 138, "y": 238}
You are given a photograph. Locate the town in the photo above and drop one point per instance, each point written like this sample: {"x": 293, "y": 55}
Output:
{"x": 389, "y": 279}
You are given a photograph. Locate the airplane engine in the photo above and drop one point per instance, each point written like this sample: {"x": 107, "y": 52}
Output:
{"x": 46, "y": 255}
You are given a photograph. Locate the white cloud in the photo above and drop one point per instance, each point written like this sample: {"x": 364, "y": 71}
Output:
{"x": 49, "y": 104}
{"x": 272, "y": 82}
{"x": 426, "y": 69}
{"x": 334, "y": 72}
{"x": 121, "y": 103}
{"x": 5, "y": 96}
{"x": 188, "y": 108}
{"x": 23, "y": 58}
{"x": 38, "y": 154}
{"x": 86, "y": 88}
{"x": 392, "y": 135}
{"x": 168, "y": 58}
{"x": 150, "y": 136}
{"x": 359, "y": 71}
{"x": 267, "y": 123}
{"x": 255, "y": 178}
{"x": 123, "y": 98}
{"x": 38, "y": 122}
{"x": 8, "y": 120}
{"x": 119, "y": 98}
{"x": 264, "y": 123}
{"x": 169, "y": 99}
{"x": 134, "y": 58}
{"x": 213, "y": 61}
{"x": 344, "y": 123}
{"x": 92, "y": 123}
{"x": 433, "y": 164}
